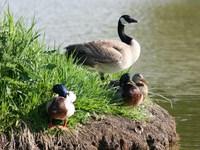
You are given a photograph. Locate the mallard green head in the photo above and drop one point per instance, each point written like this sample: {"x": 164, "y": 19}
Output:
{"x": 60, "y": 90}
{"x": 124, "y": 79}
{"x": 138, "y": 78}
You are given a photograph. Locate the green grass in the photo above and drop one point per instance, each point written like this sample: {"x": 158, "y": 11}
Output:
{"x": 28, "y": 70}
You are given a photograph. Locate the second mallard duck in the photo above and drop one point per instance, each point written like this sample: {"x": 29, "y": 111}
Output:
{"x": 133, "y": 93}
{"x": 61, "y": 107}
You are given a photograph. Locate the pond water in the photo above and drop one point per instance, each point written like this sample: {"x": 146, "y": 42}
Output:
{"x": 168, "y": 32}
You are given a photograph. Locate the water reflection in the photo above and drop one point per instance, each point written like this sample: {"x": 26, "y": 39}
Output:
{"x": 169, "y": 36}
{"x": 176, "y": 41}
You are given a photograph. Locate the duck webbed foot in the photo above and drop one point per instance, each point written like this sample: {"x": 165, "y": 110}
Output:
{"x": 52, "y": 127}
{"x": 64, "y": 126}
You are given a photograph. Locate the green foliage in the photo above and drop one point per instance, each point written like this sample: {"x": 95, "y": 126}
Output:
{"x": 29, "y": 69}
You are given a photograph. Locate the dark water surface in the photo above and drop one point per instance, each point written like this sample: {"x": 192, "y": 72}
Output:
{"x": 169, "y": 34}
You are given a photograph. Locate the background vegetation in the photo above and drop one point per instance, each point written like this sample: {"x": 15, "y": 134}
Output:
{"x": 28, "y": 70}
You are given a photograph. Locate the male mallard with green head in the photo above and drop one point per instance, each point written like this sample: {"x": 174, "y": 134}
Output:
{"x": 61, "y": 107}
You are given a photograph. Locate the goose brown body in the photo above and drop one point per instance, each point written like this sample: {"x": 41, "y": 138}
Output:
{"x": 106, "y": 56}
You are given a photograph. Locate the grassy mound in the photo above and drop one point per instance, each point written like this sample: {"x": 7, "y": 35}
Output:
{"x": 28, "y": 70}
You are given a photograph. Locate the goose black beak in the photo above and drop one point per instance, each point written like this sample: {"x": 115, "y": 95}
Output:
{"x": 133, "y": 21}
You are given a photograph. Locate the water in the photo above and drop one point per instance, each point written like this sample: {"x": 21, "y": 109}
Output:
{"x": 169, "y": 34}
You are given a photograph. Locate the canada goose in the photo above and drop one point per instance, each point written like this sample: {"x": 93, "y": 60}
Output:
{"x": 141, "y": 83}
{"x": 108, "y": 56}
{"x": 131, "y": 94}
{"x": 61, "y": 107}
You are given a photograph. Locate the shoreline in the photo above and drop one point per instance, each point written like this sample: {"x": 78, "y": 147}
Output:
{"x": 109, "y": 132}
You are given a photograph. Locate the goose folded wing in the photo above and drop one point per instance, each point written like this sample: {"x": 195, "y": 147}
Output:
{"x": 92, "y": 53}
{"x": 105, "y": 51}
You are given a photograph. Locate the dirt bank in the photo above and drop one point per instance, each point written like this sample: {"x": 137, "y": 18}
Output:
{"x": 109, "y": 133}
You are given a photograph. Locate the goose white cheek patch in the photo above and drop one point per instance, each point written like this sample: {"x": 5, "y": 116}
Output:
{"x": 123, "y": 21}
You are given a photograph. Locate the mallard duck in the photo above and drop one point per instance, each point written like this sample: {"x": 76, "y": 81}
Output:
{"x": 131, "y": 93}
{"x": 61, "y": 107}
{"x": 139, "y": 80}
{"x": 108, "y": 56}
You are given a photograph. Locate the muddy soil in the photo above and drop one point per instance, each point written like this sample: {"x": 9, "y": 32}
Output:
{"x": 108, "y": 133}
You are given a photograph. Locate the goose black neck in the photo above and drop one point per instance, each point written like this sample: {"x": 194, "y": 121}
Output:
{"x": 124, "y": 38}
